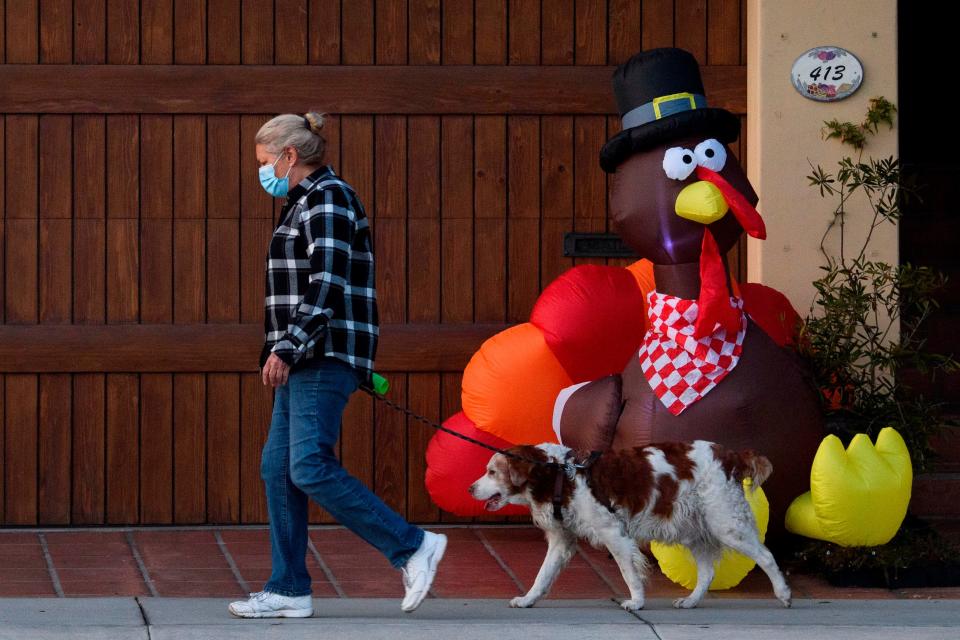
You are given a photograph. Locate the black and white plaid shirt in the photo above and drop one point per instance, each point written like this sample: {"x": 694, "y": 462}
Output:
{"x": 320, "y": 292}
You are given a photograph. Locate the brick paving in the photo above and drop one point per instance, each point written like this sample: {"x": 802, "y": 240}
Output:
{"x": 481, "y": 562}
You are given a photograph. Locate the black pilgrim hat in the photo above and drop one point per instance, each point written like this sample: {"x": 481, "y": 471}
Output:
{"x": 660, "y": 96}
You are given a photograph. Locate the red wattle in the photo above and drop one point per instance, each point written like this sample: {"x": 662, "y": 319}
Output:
{"x": 748, "y": 217}
{"x": 714, "y": 301}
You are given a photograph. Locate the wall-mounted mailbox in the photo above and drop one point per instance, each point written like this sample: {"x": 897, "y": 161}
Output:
{"x": 596, "y": 245}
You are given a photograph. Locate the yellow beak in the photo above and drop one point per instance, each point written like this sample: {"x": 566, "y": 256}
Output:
{"x": 701, "y": 202}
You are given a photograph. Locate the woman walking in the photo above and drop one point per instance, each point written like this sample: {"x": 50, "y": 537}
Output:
{"x": 321, "y": 339}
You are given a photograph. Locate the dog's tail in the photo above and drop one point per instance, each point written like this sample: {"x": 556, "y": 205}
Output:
{"x": 744, "y": 464}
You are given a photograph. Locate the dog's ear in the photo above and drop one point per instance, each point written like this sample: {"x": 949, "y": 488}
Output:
{"x": 519, "y": 472}
{"x": 520, "y": 469}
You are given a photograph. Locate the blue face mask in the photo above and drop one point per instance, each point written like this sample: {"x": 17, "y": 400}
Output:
{"x": 277, "y": 187}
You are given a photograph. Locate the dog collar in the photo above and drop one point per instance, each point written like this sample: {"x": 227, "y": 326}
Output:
{"x": 569, "y": 468}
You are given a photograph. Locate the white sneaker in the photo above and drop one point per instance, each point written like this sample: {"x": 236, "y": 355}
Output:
{"x": 266, "y": 604}
{"x": 420, "y": 569}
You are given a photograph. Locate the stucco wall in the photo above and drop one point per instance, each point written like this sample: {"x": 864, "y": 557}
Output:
{"x": 784, "y": 131}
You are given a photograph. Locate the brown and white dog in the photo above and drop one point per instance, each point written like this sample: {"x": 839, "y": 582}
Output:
{"x": 677, "y": 492}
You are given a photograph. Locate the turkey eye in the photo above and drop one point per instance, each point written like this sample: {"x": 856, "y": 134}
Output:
{"x": 679, "y": 163}
{"x": 711, "y": 154}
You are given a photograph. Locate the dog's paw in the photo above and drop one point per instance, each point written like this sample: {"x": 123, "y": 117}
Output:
{"x": 522, "y": 602}
{"x": 632, "y": 605}
{"x": 785, "y": 597}
{"x": 685, "y": 603}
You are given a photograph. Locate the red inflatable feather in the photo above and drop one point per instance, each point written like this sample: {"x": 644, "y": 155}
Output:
{"x": 454, "y": 464}
{"x": 772, "y": 312}
{"x": 593, "y": 320}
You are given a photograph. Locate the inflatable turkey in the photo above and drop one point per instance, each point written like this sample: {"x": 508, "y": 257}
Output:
{"x": 667, "y": 349}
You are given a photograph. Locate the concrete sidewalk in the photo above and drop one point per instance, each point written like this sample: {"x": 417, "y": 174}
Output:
{"x": 374, "y": 618}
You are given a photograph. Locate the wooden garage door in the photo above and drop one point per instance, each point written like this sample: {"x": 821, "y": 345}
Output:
{"x": 134, "y": 228}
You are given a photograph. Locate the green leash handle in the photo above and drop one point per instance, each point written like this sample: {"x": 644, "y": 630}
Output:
{"x": 380, "y": 384}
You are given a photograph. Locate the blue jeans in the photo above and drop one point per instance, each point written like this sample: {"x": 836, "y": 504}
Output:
{"x": 299, "y": 462}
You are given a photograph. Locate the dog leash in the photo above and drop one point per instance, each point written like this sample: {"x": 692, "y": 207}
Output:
{"x": 456, "y": 434}
{"x": 567, "y": 467}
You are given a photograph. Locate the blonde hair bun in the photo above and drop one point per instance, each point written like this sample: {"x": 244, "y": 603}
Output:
{"x": 299, "y": 132}
{"x": 316, "y": 121}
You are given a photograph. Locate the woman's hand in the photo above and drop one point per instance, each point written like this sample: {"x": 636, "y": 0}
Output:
{"x": 275, "y": 371}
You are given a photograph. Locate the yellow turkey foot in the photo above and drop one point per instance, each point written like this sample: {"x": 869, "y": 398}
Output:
{"x": 858, "y": 497}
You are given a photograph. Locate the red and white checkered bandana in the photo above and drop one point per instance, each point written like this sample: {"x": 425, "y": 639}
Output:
{"x": 680, "y": 368}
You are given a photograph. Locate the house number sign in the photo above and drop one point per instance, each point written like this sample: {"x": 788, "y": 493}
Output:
{"x": 827, "y": 74}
